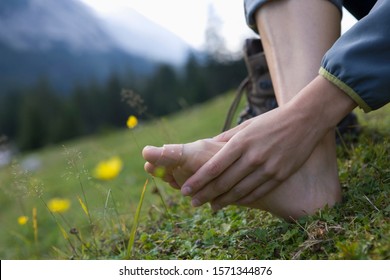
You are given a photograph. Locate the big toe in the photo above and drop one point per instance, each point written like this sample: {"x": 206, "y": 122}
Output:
{"x": 151, "y": 153}
{"x": 168, "y": 155}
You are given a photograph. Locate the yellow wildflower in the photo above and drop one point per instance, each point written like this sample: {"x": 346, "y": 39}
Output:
{"x": 132, "y": 121}
{"x": 59, "y": 205}
{"x": 109, "y": 169}
{"x": 159, "y": 172}
{"x": 22, "y": 220}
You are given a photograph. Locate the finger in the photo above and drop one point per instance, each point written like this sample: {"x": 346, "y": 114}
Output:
{"x": 224, "y": 183}
{"x": 212, "y": 168}
{"x": 257, "y": 179}
{"x": 258, "y": 193}
{"x": 227, "y": 135}
{"x": 246, "y": 193}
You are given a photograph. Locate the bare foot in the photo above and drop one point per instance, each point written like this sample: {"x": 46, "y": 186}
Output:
{"x": 311, "y": 188}
{"x": 175, "y": 163}
{"x": 314, "y": 186}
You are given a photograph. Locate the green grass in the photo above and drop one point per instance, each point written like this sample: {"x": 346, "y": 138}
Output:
{"x": 168, "y": 227}
{"x": 67, "y": 168}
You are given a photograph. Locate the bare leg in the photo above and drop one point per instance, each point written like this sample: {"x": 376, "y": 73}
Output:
{"x": 295, "y": 35}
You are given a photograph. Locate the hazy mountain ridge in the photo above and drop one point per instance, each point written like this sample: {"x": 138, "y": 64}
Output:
{"x": 41, "y": 23}
{"x": 66, "y": 42}
{"x": 134, "y": 33}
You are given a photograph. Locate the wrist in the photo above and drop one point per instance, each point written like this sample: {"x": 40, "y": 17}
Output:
{"x": 322, "y": 104}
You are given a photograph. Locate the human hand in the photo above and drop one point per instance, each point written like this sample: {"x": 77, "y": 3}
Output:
{"x": 256, "y": 156}
{"x": 263, "y": 152}
{"x": 259, "y": 155}
{"x": 240, "y": 170}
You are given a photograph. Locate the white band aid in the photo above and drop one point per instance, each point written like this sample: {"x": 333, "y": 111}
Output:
{"x": 171, "y": 155}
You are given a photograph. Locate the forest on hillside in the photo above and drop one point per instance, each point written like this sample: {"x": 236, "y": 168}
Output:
{"x": 37, "y": 116}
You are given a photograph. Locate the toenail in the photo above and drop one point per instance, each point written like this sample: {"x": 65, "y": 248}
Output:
{"x": 186, "y": 190}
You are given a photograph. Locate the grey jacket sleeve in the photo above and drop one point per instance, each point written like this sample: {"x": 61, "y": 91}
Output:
{"x": 359, "y": 62}
{"x": 251, "y": 6}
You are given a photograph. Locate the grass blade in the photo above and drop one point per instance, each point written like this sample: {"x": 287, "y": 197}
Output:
{"x": 133, "y": 231}
{"x": 83, "y": 206}
{"x": 35, "y": 224}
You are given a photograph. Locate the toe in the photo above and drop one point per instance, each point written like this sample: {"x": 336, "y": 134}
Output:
{"x": 152, "y": 154}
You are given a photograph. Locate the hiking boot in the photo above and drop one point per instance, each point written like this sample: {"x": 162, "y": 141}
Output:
{"x": 259, "y": 91}
{"x": 257, "y": 86}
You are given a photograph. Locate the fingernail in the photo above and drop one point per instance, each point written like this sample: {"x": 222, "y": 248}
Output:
{"x": 186, "y": 190}
{"x": 195, "y": 202}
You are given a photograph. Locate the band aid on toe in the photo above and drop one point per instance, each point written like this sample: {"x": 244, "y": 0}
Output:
{"x": 171, "y": 155}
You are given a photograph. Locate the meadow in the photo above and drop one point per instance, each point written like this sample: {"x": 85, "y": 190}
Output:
{"x": 53, "y": 206}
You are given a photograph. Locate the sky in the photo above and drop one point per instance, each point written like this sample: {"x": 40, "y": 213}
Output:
{"x": 188, "y": 18}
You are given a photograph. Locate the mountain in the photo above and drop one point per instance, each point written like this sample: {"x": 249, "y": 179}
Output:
{"x": 39, "y": 24}
{"x": 136, "y": 34}
{"x": 66, "y": 42}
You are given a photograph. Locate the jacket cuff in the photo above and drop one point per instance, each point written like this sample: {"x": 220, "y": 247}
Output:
{"x": 344, "y": 87}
